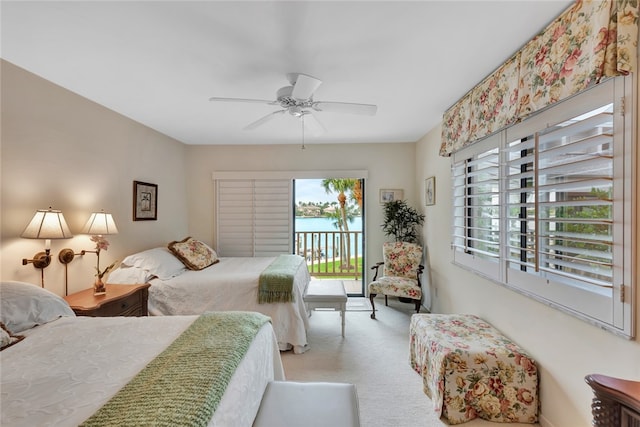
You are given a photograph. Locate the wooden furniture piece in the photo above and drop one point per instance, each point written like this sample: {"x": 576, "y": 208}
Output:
{"x": 311, "y": 404}
{"x": 120, "y": 300}
{"x": 328, "y": 294}
{"x": 616, "y": 402}
{"x": 400, "y": 275}
{"x": 470, "y": 370}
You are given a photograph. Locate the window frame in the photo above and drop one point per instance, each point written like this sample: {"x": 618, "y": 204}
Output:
{"x": 611, "y": 309}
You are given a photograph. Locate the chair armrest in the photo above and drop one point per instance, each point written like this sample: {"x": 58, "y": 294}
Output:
{"x": 376, "y": 267}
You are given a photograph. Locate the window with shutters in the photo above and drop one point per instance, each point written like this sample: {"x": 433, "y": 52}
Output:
{"x": 544, "y": 207}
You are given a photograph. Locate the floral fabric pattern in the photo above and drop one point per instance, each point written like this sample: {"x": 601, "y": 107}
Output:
{"x": 396, "y": 286}
{"x": 193, "y": 253}
{"x": 400, "y": 273}
{"x": 7, "y": 339}
{"x": 401, "y": 259}
{"x": 561, "y": 61}
{"x": 470, "y": 370}
{"x": 494, "y": 102}
{"x": 590, "y": 40}
{"x": 456, "y": 123}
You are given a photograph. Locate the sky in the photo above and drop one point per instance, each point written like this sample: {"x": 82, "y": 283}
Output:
{"x": 310, "y": 190}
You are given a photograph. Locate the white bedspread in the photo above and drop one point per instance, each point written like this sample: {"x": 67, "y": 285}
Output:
{"x": 67, "y": 369}
{"x": 232, "y": 284}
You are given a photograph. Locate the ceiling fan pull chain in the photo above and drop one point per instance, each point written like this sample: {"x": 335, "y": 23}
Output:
{"x": 303, "y": 147}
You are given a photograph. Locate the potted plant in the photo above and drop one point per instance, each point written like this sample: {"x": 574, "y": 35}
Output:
{"x": 401, "y": 221}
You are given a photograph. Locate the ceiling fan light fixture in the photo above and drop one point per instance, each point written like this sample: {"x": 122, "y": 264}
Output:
{"x": 296, "y": 111}
{"x": 297, "y": 100}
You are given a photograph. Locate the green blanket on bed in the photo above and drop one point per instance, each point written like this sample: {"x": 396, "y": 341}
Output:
{"x": 276, "y": 281}
{"x": 183, "y": 385}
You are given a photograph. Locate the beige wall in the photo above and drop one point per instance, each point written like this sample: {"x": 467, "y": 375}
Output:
{"x": 63, "y": 151}
{"x": 565, "y": 348}
{"x": 388, "y": 166}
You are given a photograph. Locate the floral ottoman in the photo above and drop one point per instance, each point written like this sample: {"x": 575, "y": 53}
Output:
{"x": 470, "y": 370}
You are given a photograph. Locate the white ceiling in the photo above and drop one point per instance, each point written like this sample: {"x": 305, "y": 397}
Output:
{"x": 158, "y": 62}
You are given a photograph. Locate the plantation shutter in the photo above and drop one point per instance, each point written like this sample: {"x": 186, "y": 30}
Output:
{"x": 556, "y": 222}
{"x": 560, "y": 206}
{"x": 254, "y": 217}
{"x": 574, "y": 207}
{"x": 476, "y": 208}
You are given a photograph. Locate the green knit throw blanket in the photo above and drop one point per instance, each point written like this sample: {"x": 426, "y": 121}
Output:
{"x": 184, "y": 384}
{"x": 276, "y": 281}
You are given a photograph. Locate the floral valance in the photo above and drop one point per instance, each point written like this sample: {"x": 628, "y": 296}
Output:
{"x": 590, "y": 40}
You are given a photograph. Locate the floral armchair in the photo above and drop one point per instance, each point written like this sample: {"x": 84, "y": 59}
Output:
{"x": 400, "y": 275}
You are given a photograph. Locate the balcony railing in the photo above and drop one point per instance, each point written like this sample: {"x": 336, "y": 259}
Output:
{"x": 331, "y": 253}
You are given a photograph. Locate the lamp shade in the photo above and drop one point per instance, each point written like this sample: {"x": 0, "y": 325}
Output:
{"x": 100, "y": 223}
{"x": 47, "y": 224}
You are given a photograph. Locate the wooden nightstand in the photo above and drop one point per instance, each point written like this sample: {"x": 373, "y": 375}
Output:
{"x": 120, "y": 300}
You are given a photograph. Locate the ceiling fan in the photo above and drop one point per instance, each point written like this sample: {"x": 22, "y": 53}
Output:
{"x": 297, "y": 100}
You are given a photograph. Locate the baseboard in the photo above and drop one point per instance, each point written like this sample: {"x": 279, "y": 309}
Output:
{"x": 544, "y": 422}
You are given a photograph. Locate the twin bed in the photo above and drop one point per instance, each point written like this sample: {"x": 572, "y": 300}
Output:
{"x": 66, "y": 368}
{"x": 223, "y": 284}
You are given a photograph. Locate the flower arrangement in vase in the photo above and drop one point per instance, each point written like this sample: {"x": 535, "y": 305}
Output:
{"x": 102, "y": 244}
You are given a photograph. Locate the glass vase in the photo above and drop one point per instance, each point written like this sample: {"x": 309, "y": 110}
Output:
{"x": 98, "y": 287}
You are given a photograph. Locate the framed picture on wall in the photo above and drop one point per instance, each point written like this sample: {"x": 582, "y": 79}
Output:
{"x": 389, "y": 195}
{"x": 430, "y": 191}
{"x": 145, "y": 201}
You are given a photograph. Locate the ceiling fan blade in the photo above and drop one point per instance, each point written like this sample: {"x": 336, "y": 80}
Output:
{"x": 346, "y": 107}
{"x": 263, "y": 120}
{"x": 305, "y": 86}
{"x": 255, "y": 101}
{"x": 312, "y": 123}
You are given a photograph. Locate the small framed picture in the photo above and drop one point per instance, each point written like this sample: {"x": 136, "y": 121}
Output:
{"x": 430, "y": 191}
{"x": 389, "y": 195}
{"x": 145, "y": 201}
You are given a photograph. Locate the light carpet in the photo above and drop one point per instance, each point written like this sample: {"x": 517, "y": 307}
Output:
{"x": 373, "y": 355}
{"x": 358, "y": 304}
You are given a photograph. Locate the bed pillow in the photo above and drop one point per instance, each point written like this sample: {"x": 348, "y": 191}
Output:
{"x": 157, "y": 261}
{"x": 130, "y": 275}
{"x": 7, "y": 339}
{"x": 195, "y": 254}
{"x": 24, "y": 305}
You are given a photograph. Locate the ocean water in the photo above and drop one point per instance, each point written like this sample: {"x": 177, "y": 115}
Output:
{"x": 326, "y": 224}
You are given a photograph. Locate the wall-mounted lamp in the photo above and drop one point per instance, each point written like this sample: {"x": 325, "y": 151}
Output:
{"x": 98, "y": 225}
{"x": 46, "y": 224}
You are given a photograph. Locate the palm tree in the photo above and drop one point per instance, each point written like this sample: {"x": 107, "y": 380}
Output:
{"x": 342, "y": 186}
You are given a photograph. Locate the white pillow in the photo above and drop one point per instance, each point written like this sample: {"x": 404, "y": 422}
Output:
{"x": 157, "y": 261}
{"x": 129, "y": 275}
{"x": 24, "y": 305}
